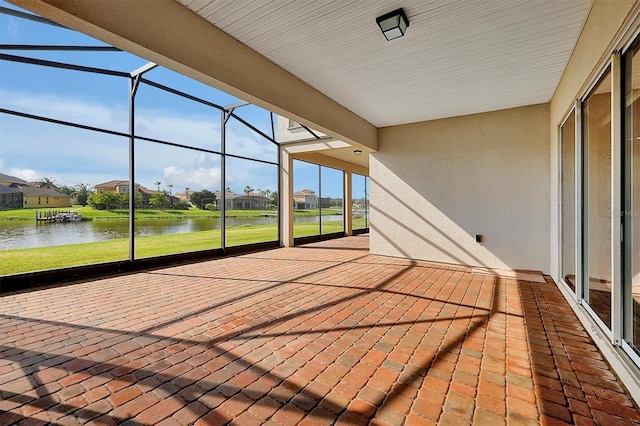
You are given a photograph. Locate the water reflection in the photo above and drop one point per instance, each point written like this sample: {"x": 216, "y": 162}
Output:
{"x": 23, "y": 234}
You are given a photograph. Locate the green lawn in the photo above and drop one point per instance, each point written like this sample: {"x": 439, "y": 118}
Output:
{"x": 359, "y": 223}
{"x": 90, "y": 213}
{"x": 43, "y": 258}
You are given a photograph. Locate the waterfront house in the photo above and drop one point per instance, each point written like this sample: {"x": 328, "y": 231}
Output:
{"x": 16, "y": 193}
{"x": 228, "y": 200}
{"x": 248, "y": 201}
{"x": 117, "y": 186}
{"x": 305, "y": 199}
{"x": 123, "y": 187}
{"x": 35, "y": 197}
{"x": 10, "y": 198}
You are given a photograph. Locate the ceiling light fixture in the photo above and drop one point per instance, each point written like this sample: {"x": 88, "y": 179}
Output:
{"x": 393, "y": 24}
{"x": 357, "y": 151}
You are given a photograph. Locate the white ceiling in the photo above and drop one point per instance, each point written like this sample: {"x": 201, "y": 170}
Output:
{"x": 458, "y": 57}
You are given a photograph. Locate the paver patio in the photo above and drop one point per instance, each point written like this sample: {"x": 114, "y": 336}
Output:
{"x": 320, "y": 334}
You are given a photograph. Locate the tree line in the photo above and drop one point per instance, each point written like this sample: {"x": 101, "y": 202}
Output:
{"x": 108, "y": 200}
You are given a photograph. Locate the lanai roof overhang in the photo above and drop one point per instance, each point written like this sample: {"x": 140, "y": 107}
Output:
{"x": 327, "y": 66}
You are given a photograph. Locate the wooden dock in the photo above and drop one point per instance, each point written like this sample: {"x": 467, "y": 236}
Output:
{"x": 48, "y": 216}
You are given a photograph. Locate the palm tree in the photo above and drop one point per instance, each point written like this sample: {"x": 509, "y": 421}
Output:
{"x": 69, "y": 190}
{"x": 158, "y": 185}
{"x": 247, "y": 189}
{"x": 170, "y": 195}
{"x": 82, "y": 193}
{"x": 187, "y": 192}
{"x": 159, "y": 199}
{"x": 110, "y": 199}
{"x": 45, "y": 182}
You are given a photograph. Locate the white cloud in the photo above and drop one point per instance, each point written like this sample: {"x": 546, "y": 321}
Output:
{"x": 241, "y": 173}
{"x": 207, "y": 160}
{"x": 26, "y": 174}
{"x": 37, "y": 149}
{"x": 112, "y": 117}
{"x": 243, "y": 141}
{"x": 196, "y": 130}
{"x": 199, "y": 178}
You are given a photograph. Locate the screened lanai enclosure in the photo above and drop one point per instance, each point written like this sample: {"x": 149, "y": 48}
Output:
{"x": 149, "y": 163}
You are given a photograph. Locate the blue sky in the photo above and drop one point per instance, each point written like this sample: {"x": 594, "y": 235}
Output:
{"x": 33, "y": 149}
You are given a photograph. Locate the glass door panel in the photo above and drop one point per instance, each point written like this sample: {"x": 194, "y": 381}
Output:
{"x": 306, "y": 212}
{"x": 331, "y": 196}
{"x": 631, "y": 293}
{"x": 568, "y": 144}
{"x": 597, "y": 200}
{"x": 359, "y": 202}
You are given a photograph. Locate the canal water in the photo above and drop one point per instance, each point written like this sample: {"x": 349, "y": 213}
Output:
{"x": 26, "y": 234}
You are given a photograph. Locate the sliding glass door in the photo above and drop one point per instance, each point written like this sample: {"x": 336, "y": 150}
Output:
{"x": 596, "y": 113}
{"x": 568, "y": 170}
{"x": 631, "y": 289}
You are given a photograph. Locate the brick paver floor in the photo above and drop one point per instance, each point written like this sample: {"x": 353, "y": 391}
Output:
{"x": 320, "y": 334}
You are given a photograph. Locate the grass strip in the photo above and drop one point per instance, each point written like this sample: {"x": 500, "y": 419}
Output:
{"x": 44, "y": 258}
{"x": 90, "y": 213}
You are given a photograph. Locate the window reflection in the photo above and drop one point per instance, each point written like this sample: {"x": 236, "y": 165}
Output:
{"x": 597, "y": 176}
{"x": 567, "y": 135}
{"x": 631, "y": 294}
{"x": 360, "y": 201}
{"x": 331, "y": 197}
{"x": 306, "y": 190}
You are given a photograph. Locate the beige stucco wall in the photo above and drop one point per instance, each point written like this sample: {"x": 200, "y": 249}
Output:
{"x": 435, "y": 185}
{"x": 284, "y": 133}
{"x": 31, "y": 201}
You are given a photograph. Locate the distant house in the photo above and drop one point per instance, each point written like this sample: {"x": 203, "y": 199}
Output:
{"x": 305, "y": 199}
{"x": 148, "y": 193}
{"x": 117, "y": 186}
{"x": 325, "y": 202}
{"x": 229, "y": 195}
{"x": 10, "y": 198}
{"x": 123, "y": 187}
{"x": 250, "y": 201}
{"x": 34, "y": 197}
{"x": 16, "y": 193}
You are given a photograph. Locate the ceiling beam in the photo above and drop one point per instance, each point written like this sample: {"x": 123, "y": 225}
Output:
{"x": 169, "y": 34}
